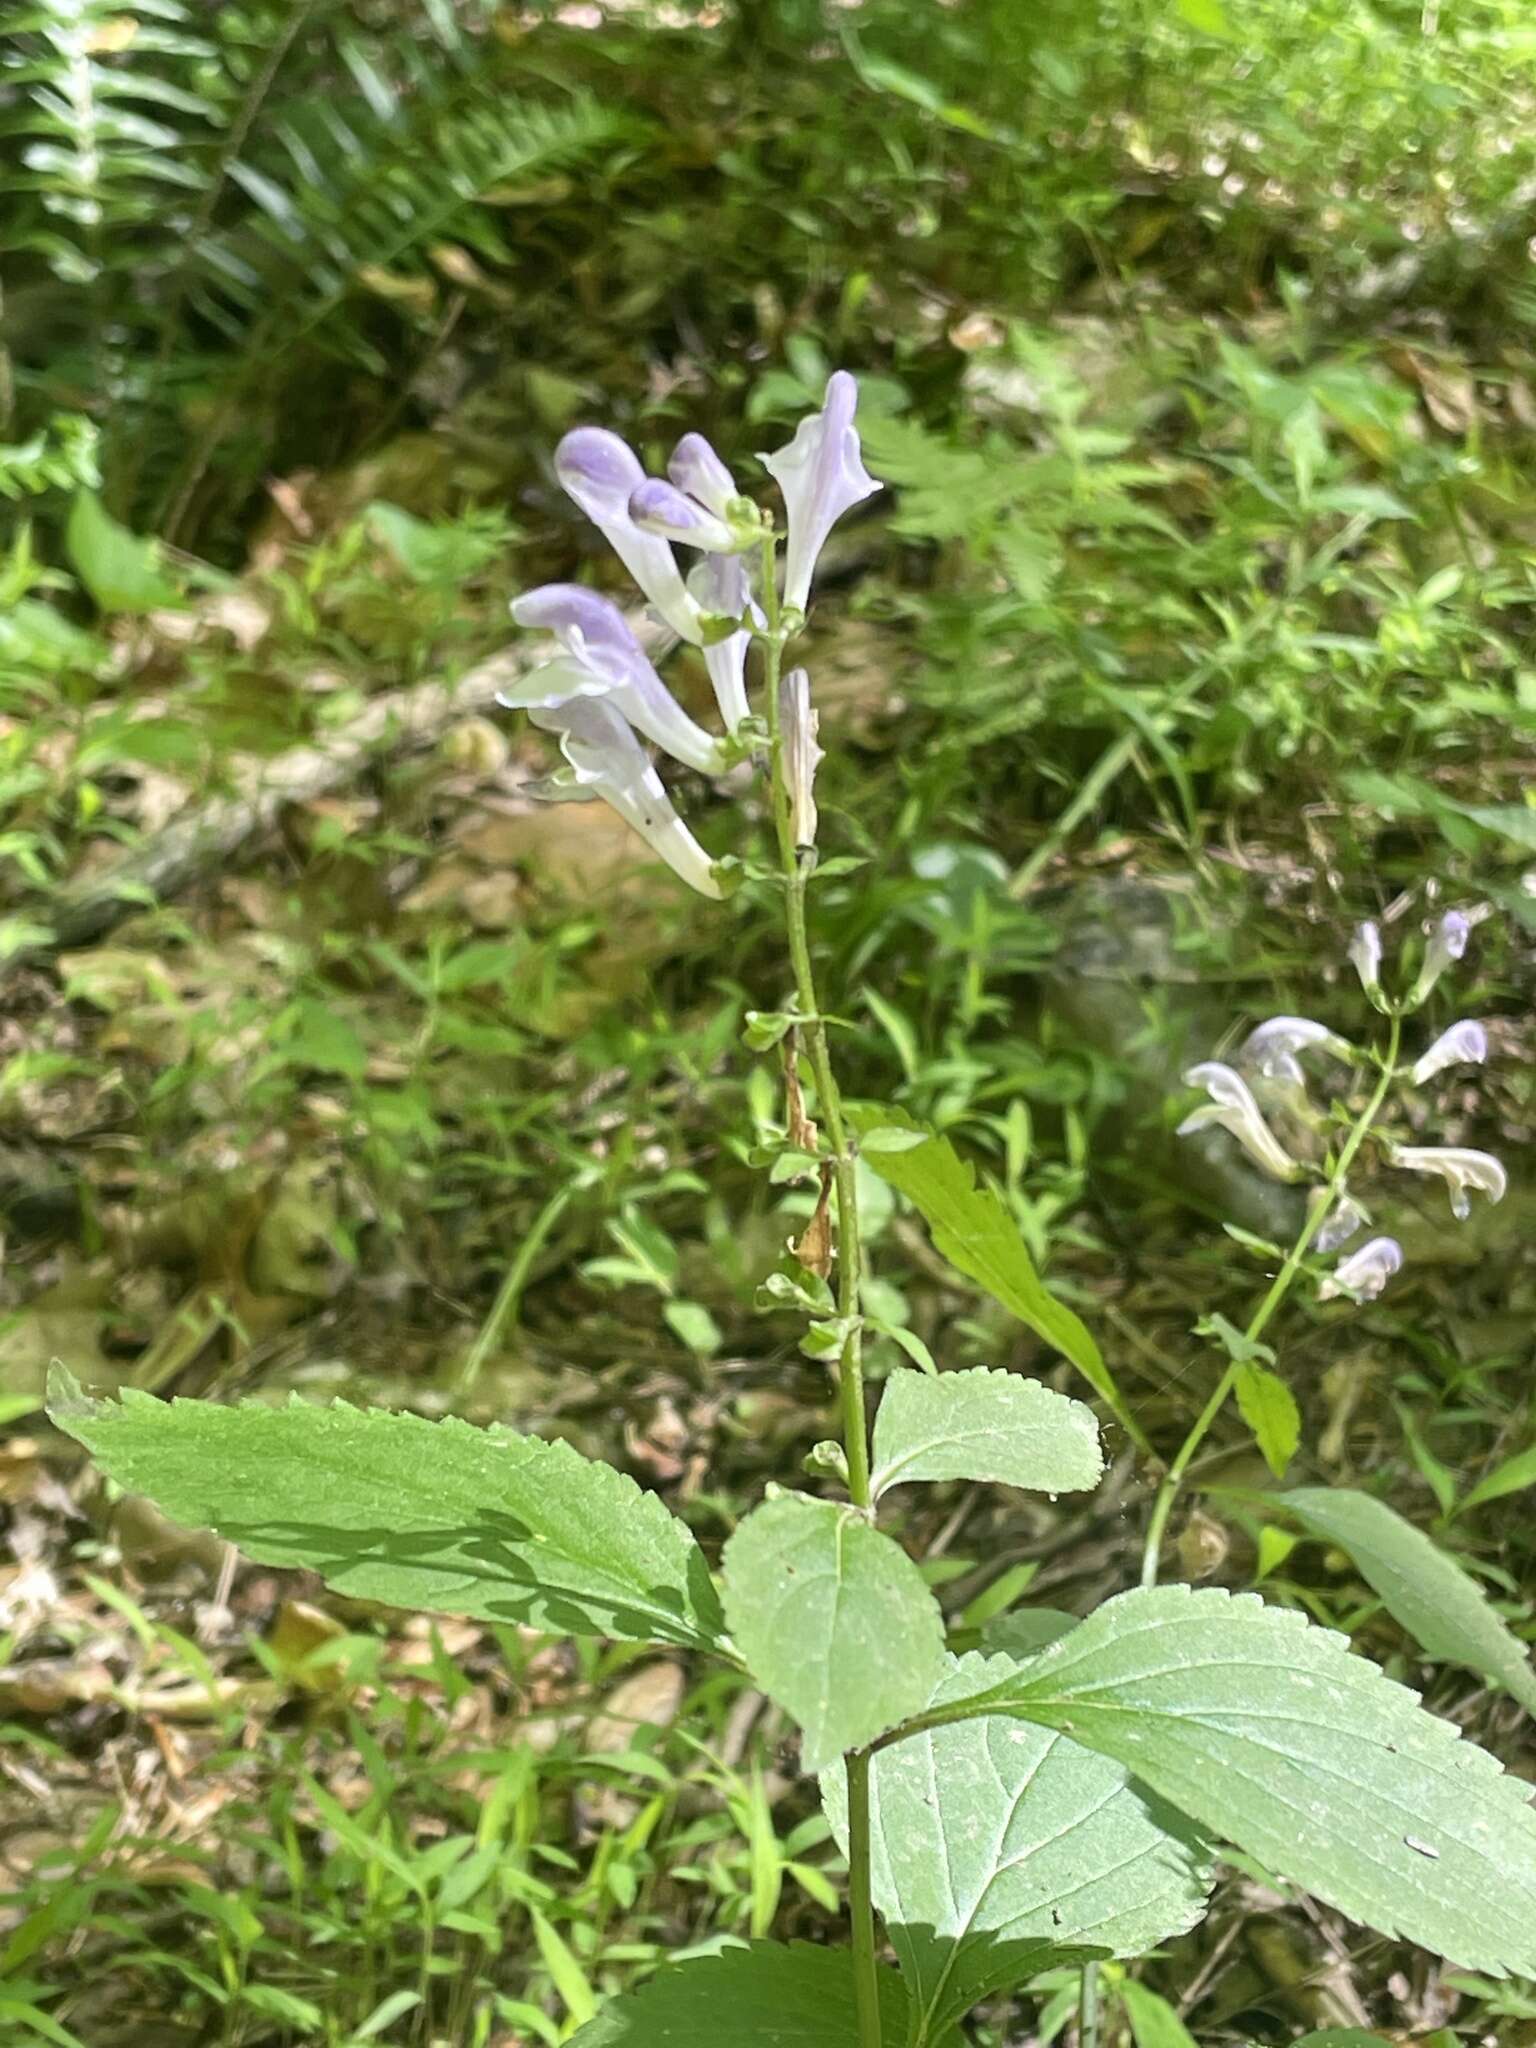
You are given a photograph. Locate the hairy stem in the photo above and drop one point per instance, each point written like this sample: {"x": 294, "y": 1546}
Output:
{"x": 1279, "y": 1287}
{"x": 797, "y": 865}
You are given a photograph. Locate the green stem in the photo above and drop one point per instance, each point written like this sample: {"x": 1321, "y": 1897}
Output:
{"x": 797, "y": 867}
{"x": 1088, "y": 2007}
{"x": 1279, "y": 1287}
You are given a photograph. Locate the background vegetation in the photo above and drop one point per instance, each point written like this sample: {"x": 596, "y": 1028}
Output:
{"x": 1196, "y": 343}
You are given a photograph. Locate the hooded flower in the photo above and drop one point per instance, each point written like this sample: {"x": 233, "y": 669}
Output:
{"x": 658, "y": 507}
{"x": 1365, "y": 1272}
{"x": 1271, "y": 1048}
{"x": 601, "y": 473}
{"x": 1233, "y": 1107}
{"x": 719, "y": 584}
{"x": 1447, "y": 942}
{"x": 798, "y": 723}
{"x": 606, "y": 760}
{"x": 697, "y": 470}
{"x": 602, "y": 658}
{"x": 1365, "y": 958}
{"x": 1463, "y": 1045}
{"x": 1460, "y": 1168}
{"x": 822, "y": 475}
{"x": 1339, "y": 1225}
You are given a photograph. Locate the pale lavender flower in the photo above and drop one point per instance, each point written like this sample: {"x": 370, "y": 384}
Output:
{"x": 1365, "y": 1272}
{"x": 1365, "y": 958}
{"x": 1271, "y": 1048}
{"x": 658, "y": 507}
{"x": 600, "y": 473}
{"x": 821, "y": 475}
{"x": 1460, "y": 1168}
{"x": 1339, "y": 1225}
{"x": 606, "y": 760}
{"x": 1233, "y": 1107}
{"x": 798, "y": 723}
{"x": 603, "y": 659}
{"x": 1447, "y": 942}
{"x": 1463, "y": 1044}
{"x": 720, "y": 587}
{"x": 696, "y": 469}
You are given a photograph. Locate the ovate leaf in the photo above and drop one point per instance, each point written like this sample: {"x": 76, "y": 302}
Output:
{"x": 419, "y": 1514}
{"x": 1445, "y": 1611}
{"x": 983, "y": 1425}
{"x": 980, "y": 1239}
{"x": 1269, "y": 1408}
{"x": 768, "y": 1995}
{"x": 994, "y": 1842}
{"x": 834, "y": 1620}
{"x": 1267, "y": 1731}
{"x": 120, "y": 570}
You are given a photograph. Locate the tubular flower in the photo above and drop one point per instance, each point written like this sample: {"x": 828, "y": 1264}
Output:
{"x": 1447, "y": 942}
{"x": 1460, "y": 1168}
{"x": 658, "y": 507}
{"x": 798, "y": 723}
{"x": 821, "y": 474}
{"x": 600, "y": 473}
{"x": 1338, "y": 1225}
{"x": 697, "y": 470}
{"x": 1463, "y": 1045}
{"x": 601, "y": 658}
{"x": 606, "y": 760}
{"x": 1365, "y": 1272}
{"x": 1233, "y": 1107}
{"x": 1271, "y": 1048}
{"x": 1365, "y": 958}
{"x": 720, "y": 586}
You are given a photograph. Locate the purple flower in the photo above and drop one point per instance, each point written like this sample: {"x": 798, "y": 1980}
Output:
{"x": 720, "y": 587}
{"x": 698, "y": 471}
{"x": 1233, "y": 1107}
{"x": 1271, "y": 1047}
{"x": 1463, "y": 1044}
{"x": 606, "y": 760}
{"x": 1460, "y": 1168}
{"x": 658, "y": 507}
{"x": 601, "y": 473}
{"x": 821, "y": 475}
{"x": 1447, "y": 942}
{"x": 1365, "y": 1272}
{"x": 602, "y": 659}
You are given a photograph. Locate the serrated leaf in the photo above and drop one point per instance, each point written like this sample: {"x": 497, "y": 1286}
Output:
{"x": 417, "y": 1514}
{"x": 1266, "y": 1730}
{"x": 987, "y": 1425}
{"x": 980, "y": 1239}
{"x": 834, "y": 1620}
{"x": 1442, "y": 1608}
{"x": 766, "y": 1995}
{"x": 993, "y": 1842}
{"x": 1269, "y": 1408}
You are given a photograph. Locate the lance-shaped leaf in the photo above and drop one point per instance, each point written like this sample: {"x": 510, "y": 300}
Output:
{"x": 418, "y": 1514}
{"x": 983, "y": 1425}
{"x": 980, "y": 1239}
{"x": 834, "y": 1620}
{"x": 1266, "y": 1730}
{"x": 767, "y": 1995}
{"x": 992, "y": 1842}
{"x": 1442, "y": 1608}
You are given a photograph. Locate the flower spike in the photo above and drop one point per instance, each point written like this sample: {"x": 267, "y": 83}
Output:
{"x": 1233, "y": 1107}
{"x": 822, "y": 475}
{"x": 606, "y": 760}
{"x": 602, "y": 658}
{"x": 1460, "y": 1168}
{"x": 600, "y": 473}
{"x": 1463, "y": 1044}
{"x": 1365, "y": 1272}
